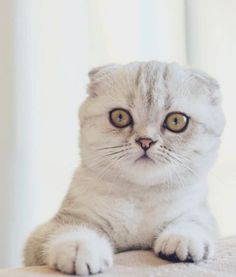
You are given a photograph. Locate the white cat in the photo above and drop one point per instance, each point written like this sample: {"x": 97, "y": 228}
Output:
{"x": 149, "y": 134}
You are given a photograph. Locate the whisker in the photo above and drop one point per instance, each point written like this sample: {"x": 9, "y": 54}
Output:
{"x": 114, "y": 153}
{"x": 111, "y": 147}
{"x": 160, "y": 154}
{"x": 109, "y": 165}
{"x": 178, "y": 160}
{"x": 102, "y": 162}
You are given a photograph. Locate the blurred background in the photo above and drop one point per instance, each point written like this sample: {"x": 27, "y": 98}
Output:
{"x": 46, "y": 49}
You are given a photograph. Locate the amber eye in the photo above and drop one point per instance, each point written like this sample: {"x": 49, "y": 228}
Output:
{"x": 176, "y": 122}
{"x": 120, "y": 118}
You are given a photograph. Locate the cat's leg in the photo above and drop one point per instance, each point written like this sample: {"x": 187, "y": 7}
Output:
{"x": 187, "y": 239}
{"x": 76, "y": 250}
{"x": 34, "y": 253}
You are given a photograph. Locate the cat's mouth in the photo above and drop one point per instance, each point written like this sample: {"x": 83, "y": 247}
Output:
{"x": 144, "y": 158}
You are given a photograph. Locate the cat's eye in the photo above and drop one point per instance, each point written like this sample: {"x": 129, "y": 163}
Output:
{"x": 120, "y": 118}
{"x": 176, "y": 122}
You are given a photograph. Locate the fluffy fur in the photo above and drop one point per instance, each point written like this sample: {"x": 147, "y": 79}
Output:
{"x": 117, "y": 202}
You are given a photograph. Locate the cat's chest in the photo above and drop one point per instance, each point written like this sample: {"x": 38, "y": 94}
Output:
{"x": 132, "y": 222}
{"x": 131, "y": 218}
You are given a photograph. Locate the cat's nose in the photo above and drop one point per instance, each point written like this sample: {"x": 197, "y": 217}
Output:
{"x": 145, "y": 143}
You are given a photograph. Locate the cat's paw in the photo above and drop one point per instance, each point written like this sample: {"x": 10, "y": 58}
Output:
{"x": 178, "y": 247}
{"x": 82, "y": 252}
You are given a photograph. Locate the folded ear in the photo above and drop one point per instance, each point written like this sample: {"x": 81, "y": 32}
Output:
{"x": 96, "y": 71}
{"x": 212, "y": 86}
{"x": 98, "y": 75}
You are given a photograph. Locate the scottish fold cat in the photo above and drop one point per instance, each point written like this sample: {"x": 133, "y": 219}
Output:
{"x": 149, "y": 133}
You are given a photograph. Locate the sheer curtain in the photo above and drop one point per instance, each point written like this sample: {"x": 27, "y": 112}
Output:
{"x": 46, "y": 49}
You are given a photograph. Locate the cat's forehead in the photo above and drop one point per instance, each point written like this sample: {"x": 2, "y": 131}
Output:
{"x": 147, "y": 86}
{"x": 150, "y": 86}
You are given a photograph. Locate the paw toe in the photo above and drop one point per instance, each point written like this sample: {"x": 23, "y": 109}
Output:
{"x": 178, "y": 248}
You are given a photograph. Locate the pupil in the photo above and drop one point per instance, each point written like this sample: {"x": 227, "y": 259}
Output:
{"x": 175, "y": 121}
{"x": 119, "y": 117}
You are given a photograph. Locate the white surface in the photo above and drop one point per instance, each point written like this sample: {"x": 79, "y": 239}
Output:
{"x": 46, "y": 49}
{"x": 146, "y": 264}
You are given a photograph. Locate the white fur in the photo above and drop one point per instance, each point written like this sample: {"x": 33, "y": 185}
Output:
{"x": 80, "y": 252}
{"x": 161, "y": 204}
{"x": 185, "y": 241}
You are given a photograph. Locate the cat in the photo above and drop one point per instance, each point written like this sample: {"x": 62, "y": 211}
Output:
{"x": 149, "y": 133}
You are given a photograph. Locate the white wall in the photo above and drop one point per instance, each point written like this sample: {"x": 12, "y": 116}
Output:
{"x": 7, "y": 126}
{"x": 211, "y": 33}
{"x": 44, "y": 64}
{"x": 123, "y": 31}
{"x": 46, "y": 49}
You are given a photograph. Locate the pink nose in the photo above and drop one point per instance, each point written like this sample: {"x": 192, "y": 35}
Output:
{"x": 145, "y": 143}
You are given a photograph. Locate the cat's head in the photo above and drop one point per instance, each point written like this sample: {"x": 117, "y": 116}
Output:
{"x": 150, "y": 123}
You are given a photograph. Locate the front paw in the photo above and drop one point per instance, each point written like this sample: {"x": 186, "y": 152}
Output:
{"x": 177, "y": 247}
{"x": 81, "y": 252}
